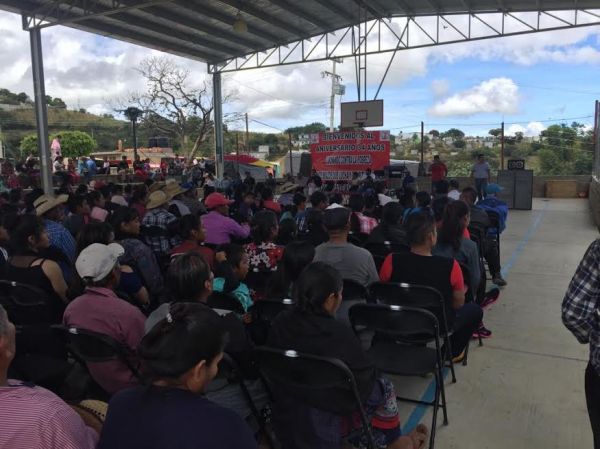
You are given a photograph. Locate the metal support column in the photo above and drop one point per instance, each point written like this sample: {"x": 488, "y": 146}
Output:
{"x": 41, "y": 111}
{"x": 218, "y": 111}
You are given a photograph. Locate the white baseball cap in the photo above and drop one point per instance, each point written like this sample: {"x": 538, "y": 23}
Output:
{"x": 97, "y": 260}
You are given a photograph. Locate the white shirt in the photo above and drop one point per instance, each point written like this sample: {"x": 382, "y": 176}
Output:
{"x": 384, "y": 199}
{"x": 454, "y": 194}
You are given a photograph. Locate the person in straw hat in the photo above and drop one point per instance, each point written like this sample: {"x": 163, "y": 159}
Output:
{"x": 164, "y": 234}
{"x": 174, "y": 192}
{"x": 32, "y": 416}
{"x": 52, "y": 211}
{"x": 286, "y": 197}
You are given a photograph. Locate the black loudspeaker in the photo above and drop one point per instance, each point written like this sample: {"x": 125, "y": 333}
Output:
{"x": 396, "y": 171}
{"x": 516, "y": 164}
{"x": 152, "y": 142}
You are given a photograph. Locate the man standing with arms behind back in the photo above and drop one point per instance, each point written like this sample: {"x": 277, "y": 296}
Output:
{"x": 439, "y": 171}
{"x": 481, "y": 173}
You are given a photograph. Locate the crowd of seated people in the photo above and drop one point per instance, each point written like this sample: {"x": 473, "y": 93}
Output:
{"x": 177, "y": 283}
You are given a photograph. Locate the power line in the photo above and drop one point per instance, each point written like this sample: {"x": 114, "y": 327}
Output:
{"x": 266, "y": 124}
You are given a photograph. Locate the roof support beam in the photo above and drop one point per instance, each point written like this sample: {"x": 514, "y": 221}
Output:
{"x": 333, "y": 8}
{"x": 125, "y": 20}
{"x": 296, "y": 10}
{"x": 371, "y": 8}
{"x": 181, "y": 19}
{"x": 269, "y": 19}
{"x": 216, "y": 14}
{"x": 154, "y": 42}
{"x": 90, "y": 10}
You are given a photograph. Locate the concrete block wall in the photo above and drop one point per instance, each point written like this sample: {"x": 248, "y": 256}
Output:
{"x": 539, "y": 183}
{"x": 595, "y": 201}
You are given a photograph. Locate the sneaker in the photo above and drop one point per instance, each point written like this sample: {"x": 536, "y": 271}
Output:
{"x": 459, "y": 358}
{"x": 499, "y": 280}
{"x": 490, "y": 298}
{"x": 482, "y": 332}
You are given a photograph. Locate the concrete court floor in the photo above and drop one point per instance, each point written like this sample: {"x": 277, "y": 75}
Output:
{"x": 524, "y": 388}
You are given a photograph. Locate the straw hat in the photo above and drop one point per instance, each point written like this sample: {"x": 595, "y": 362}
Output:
{"x": 157, "y": 199}
{"x": 288, "y": 187}
{"x": 172, "y": 189}
{"x": 46, "y": 203}
{"x": 156, "y": 186}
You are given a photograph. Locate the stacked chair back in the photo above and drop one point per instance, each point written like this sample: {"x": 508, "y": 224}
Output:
{"x": 88, "y": 346}
{"x": 224, "y": 301}
{"x": 398, "y": 334}
{"x": 303, "y": 380}
{"x": 419, "y": 296}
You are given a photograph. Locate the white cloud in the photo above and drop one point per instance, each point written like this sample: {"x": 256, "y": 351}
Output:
{"x": 532, "y": 129}
{"x": 91, "y": 71}
{"x": 440, "y": 87}
{"x": 499, "y": 95}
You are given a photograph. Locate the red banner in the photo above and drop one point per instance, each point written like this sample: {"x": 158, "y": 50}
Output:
{"x": 336, "y": 155}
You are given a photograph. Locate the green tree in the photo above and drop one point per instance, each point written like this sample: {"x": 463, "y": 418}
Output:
{"x": 496, "y": 132}
{"x": 311, "y": 128}
{"x": 565, "y": 150}
{"x": 454, "y": 133}
{"x": 75, "y": 143}
{"x": 459, "y": 143}
{"x": 434, "y": 133}
{"x": 72, "y": 143}
{"x": 29, "y": 144}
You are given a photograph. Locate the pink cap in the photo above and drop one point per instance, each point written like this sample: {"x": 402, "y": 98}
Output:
{"x": 215, "y": 200}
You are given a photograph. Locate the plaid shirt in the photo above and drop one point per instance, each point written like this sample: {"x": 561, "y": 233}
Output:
{"x": 581, "y": 305}
{"x": 367, "y": 224}
{"x": 160, "y": 244}
{"x": 61, "y": 238}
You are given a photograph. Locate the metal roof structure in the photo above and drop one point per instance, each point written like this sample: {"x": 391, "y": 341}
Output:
{"x": 203, "y": 29}
{"x": 233, "y": 35}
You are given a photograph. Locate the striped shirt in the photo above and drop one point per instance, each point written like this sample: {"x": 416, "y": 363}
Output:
{"x": 33, "y": 417}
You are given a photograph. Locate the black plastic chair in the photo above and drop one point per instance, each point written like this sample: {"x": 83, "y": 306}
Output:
{"x": 89, "y": 347}
{"x": 267, "y": 310}
{"x": 322, "y": 383}
{"x": 495, "y": 223}
{"x": 357, "y": 238}
{"x": 225, "y": 301}
{"x": 257, "y": 280}
{"x": 479, "y": 236}
{"x": 230, "y": 371}
{"x": 353, "y": 293}
{"x": 384, "y": 248}
{"x": 419, "y": 296}
{"x": 263, "y": 312}
{"x": 397, "y": 347}
{"x": 41, "y": 355}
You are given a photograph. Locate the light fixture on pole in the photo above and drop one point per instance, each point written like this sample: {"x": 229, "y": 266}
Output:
{"x": 132, "y": 113}
{"x": 240, "y": 25}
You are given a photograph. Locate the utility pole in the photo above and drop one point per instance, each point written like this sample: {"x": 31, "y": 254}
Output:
{"x": 291, "y": 158}
{"x": 335, "y": 88}
{"x": 247, "y": 144}
{"x": 237, "y": 152}
{"x": 502, "y": 147}
{"x": 422, "y": 164}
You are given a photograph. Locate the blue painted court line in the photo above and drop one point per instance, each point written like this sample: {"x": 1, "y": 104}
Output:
{"x": 419, "y": 411}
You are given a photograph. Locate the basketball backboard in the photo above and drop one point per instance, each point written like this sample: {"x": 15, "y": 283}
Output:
{"x": 362, "y": 114}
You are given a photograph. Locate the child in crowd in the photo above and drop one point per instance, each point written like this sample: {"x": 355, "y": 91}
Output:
{"x": 231, "y": 272}
{"x": 193, "y": 234}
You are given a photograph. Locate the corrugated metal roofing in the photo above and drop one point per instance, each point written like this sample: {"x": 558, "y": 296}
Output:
{"x": 203, "y": 29}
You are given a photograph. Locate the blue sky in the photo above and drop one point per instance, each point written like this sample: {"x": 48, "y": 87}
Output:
{"x": 525, "y": 80}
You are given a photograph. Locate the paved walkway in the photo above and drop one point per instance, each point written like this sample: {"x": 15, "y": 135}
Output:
{"x": 524, "y": 387}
